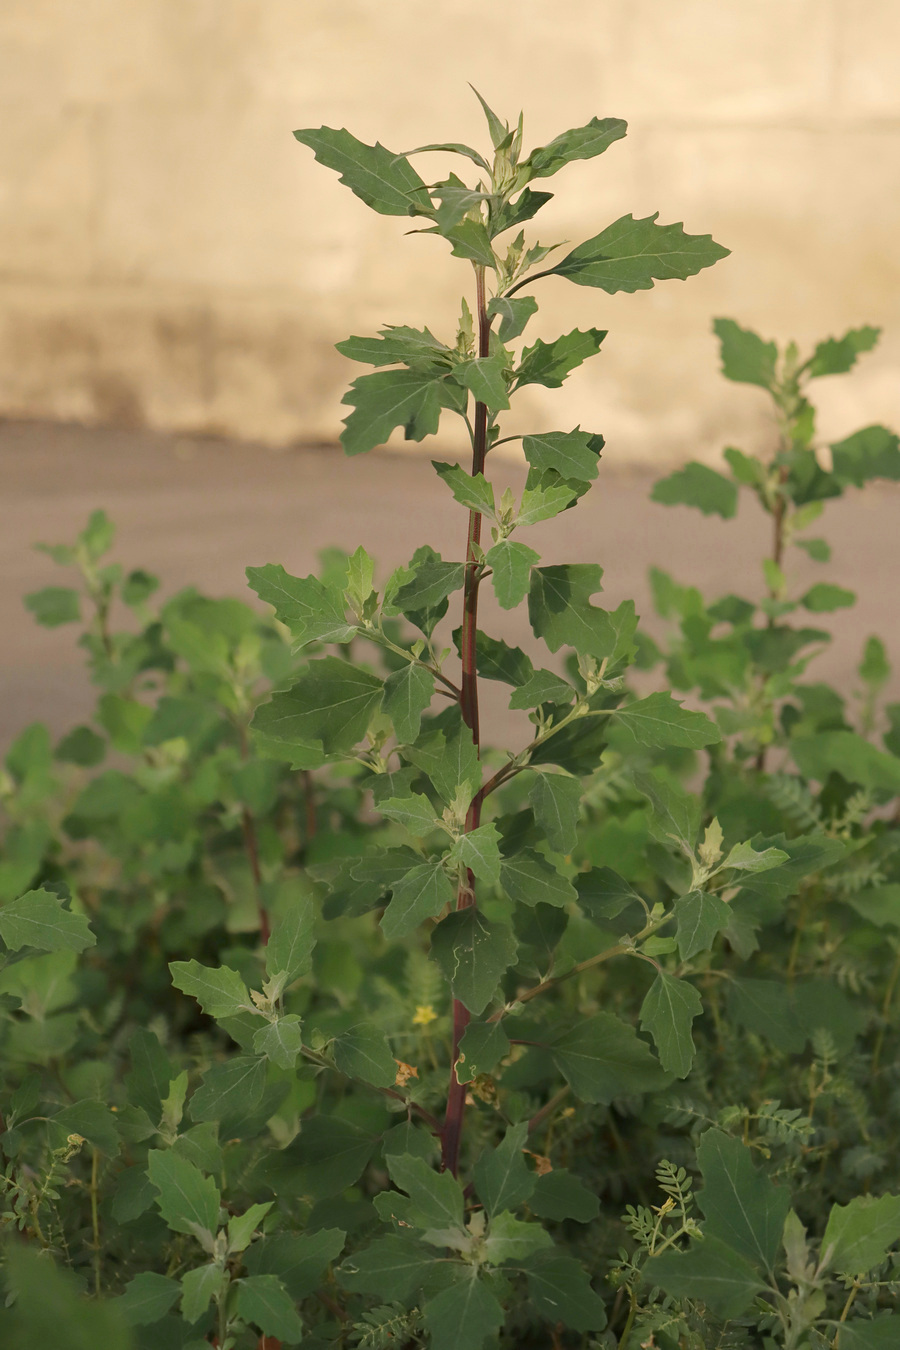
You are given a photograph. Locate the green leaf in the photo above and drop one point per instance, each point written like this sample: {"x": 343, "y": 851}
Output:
{"x": 699, "y": 918}
{"x": 873, "y": 452}
{"x": 878, "y": 1334}
{"x": 482, "y": 1047}
{"x": 698, "y": 485}
{"x": 879, "y": 905}
{"x": 299, "y": 1261}
{"x": 450, "y": 761}
{"x": 312, "y": 611}
{"x": 560, "y": 611}
{"x": 745, "y": 858}
{"x": 363, "y": 1053}
{"x": 848, "y": 754}
{"x": 230, "y": 1089}
{"x": 188, "y": 1201}
{"x": 525, "y": 207}
{"x": 432, "y": 582}
{"x": 746, "y": 359}
{"x": 835, "y": 356}
{"x": 396, "y": 344}
{"x": 419, "y": 895}
{"x": 264, "y": 1301}
{"x": 241, "y": 1227}
{"x": 544, "y": 503}
{"x": 709, "y": 1271}
{"x": 331, "y": 703}
{"x": 328, "y": 1155}
{"x": 147, "y": 1298}
{"x": 410, "y": 399}
{"x": 151, "y": 1073}
{"x": 667, "y": 1013}
{"x": 479, "y": 851}
{"x": 823, "y": 598}
{"x": 54, "y": 605}
{"x": 571, "y": 454}
{"x": 435, "y": 1198}
{"x": 484, "y": 376}
{"x": 818, "y": 549}
{"x": 414, "y": 811}
{"x": 861, "y": 1233}
{"x": 499, "y": 130}
{"x": 660, "y": 721}
{"x": 514, "y": 314}
{"x": 742, "y": 1206}
{"x": 764, "y": 1007}
{"x": 676, "y": 813}
{"x": 630, "y": 254}
{"x": 555, "y": 799}
{"x": 471, "y": 240}
{"x": 494, "y": 660}
{"x": 470, "y": 490}
{"x": 559, "y": 1195}
{"x": 542, "y": 687}
{"x": 464, "y": 1316}
{"x": 292, "y": 940}
{"x": 473, "y": 954}
{"x": 38, "y": 919}
{"x": 548, "y": 363}
{"x": 561, "y": 1291}
{"x": 579, "y": 143}
{"x": 602, "y": 1058}
{"x": 280, "y": 1041}
{"x": 875, "y": 668}
{"x": 198, "y": 1288}
{"x": 511, "y": 565}
{"x": 385, "y": 181}
{"x": 392, "y": 1267}
{"x": 502, "y": 1178}
{"x": 603, "y": 894}
{"x": 511, "y": 1240}
{"x": 94, "y": 1120}
{"x": 219, "y": 990}
{"x": 529, "y": 880}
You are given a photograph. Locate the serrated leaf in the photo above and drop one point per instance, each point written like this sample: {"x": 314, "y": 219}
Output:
{"x": 396, "y": 344}
{"x": 54, "y": 605}
{"x": 219, "y": 990}
{"x": 198, "y": 1287}
{"x": 471, "y": 240}
{"x": 280, "y": 1041}
{"x": 432, "y": 582}
{"x": 630, "y": 254}
{"x": 470, "y": 490}
{"x": 473, "y": 954}
{"x": 849, "y": 754}
{"x": 290, "y": 945}
{"x": 407, "y": 694}
{"x": 709, "y": 1271}
{"x": 559, "y": 1195}
{"x": 764, "y": 1008}
{"x": 330, "y": 704}
{"x": 264, "y": 1301}
{"x": 464, "y": 1316}
{"x": 742, "y": 1206}
{"x": 525, "y": 207}
{"x": 363, "y": 1053}
{"x": 494, "y": 660}
{"x": 603, "y": 894}
{"x": 699, "y": 917}
{"x": 667, "y": 1013}
{"x": 151, "y": 1072}
{"x": 861, "y": 1233}
{"x": 512, "y": 1240}
{"x": 94, "y": 1120}
{"x": 560, "y": 611}
{"x": 241, "y": 1227}
{"x": 548, "y": 363}
{"x": 511, "y": 565}
{"x": 601, "y": 1058}
{"x": 410, "y": 399}
{"x": 555, "y": 799}
{"x": 824, "y": 598}
{"x": 561, "y": 1291}
{"x": 299, "y": 1261}
{"x": 579, "y": 143}
{"x": 147, "y": 1298}
{"x": 433, "y": 1200}
{"x": 878, "y": 1334}
{"x": 676, "y": 813}
{"x": 745, "y": 858}
{"x": 746, "y": 358}
{"x": 659, "y": 721}
{"x": 514, "y": 314}
{"x": 544, "y": 503}
{"x": 450, "y": 760}
{"x": 230, "y": 1089}
{"x": 419, "y": 895}
{"x": 571, "y": 454}
{"x": 484, "y": 376}
{"x": 479, "y": 851}
{"x": 392, "y": 1267}
{"x": 542, "y": 687}
{"x": 835, "y": 356}
{"x": 385, "y": 181}
{"x": 313, "y": 612}
{"x": 188, "y": 1201}
{"x": 482, "y": 1047}
{"x": 38, "y": 919}
{"x": 414, "y": 811}
{"x": 698, "y": 485}
{"x": 529, "y": 880}
{"x": 502, "y": 1178}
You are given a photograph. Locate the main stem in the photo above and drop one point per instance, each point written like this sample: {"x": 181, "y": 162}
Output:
{"x": 451, "y": 1134}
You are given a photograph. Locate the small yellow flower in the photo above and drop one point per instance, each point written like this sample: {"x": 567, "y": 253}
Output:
{"x": 424, "y": 1014}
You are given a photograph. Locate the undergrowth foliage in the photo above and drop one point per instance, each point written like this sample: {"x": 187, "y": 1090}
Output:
{"x": 327, "y": 1022}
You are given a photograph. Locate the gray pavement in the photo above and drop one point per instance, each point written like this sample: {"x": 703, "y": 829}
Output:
{"x": 196, "y": 512}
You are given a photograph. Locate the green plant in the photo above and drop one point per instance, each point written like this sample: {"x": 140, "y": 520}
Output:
{"x": 445, "y": 1020}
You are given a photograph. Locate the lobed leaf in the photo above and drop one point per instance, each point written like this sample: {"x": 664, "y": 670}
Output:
{"x": 667, "y": 1013}
{"x": 698, "y": 485}
{"x": 630, "y": 254}
{"x": 39, "y": 919}
{"x": 385, "y": 181}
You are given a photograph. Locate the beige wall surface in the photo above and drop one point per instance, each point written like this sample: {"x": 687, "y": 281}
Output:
{"x": 170, "y": 256}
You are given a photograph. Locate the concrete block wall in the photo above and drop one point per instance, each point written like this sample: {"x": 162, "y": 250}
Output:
{"x": 171, "y": 257}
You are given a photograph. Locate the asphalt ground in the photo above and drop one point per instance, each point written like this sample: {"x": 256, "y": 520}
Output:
{"x": 197, "y": 512}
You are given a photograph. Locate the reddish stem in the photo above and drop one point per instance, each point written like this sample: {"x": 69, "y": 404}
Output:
{"x": 451, "y": 1134}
